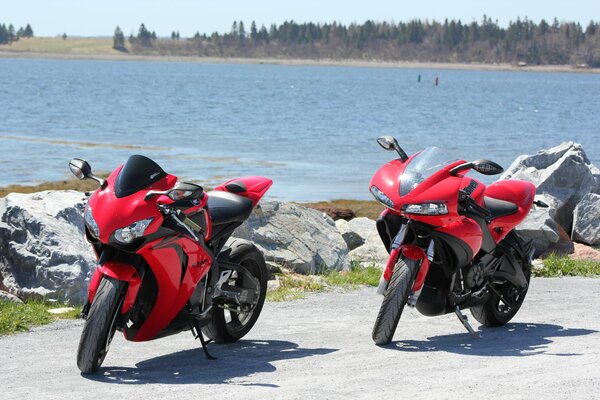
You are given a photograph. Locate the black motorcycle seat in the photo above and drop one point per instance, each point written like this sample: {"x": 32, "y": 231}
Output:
{"x": 499, "y": 208}
{"x": 225, "y": 207}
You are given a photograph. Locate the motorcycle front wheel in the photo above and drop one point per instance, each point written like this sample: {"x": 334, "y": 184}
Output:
{"x": 100, "y": 325}
{"x": 394, "y": 300}
{"x": 229, "y": 326}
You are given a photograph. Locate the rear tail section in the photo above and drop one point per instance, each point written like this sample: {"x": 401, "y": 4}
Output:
{"x": 251, "y": 187}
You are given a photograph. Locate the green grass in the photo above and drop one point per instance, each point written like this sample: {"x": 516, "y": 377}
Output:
{"x": 56, "y": 45}
{"x": 357, "y": 275}
{"x": 16, "y": 317}
{"x": 564, "y": 266}
{"x": 295, "y": 286}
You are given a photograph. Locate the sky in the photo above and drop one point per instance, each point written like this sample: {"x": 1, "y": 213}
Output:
{"x": 100, "y": 17}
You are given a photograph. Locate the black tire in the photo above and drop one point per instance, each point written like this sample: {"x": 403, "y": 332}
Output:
{"x": 227, "y": 327}
{"x": 494, "y": 313}
{"x": 394, "y": 300}
{"x": 100, "y": 325}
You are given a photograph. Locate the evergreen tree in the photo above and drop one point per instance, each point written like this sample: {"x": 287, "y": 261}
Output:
{"x": 119, "y": 40}
{"x": 253, "y": 31}
{"x": 28, "y": 32}
{"x": 241, "y": 30}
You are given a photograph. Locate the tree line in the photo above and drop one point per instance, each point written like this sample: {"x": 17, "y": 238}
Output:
{"x": 9, "y": 35}
{"x": 483, "y": 41}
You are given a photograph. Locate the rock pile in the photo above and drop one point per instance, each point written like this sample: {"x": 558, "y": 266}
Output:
{"x": 296, "y": 237}
{"x": 566, "y": 180}
{"x": 42, "y": 249}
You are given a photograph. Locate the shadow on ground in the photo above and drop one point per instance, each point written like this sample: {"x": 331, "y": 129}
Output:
{"x": 510, "y": 340}
{"x": 236, "y": 360}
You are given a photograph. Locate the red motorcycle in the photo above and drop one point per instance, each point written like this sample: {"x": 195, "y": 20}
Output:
{"x": 164, "y": 265}
{"x": 451, "y": 239}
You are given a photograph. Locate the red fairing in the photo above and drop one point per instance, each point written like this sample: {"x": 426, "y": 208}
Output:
{"x": 440, "y": 185}
{"x": 112, "y": 213}
{"x": 466, "y": 230}
{"x": 252, "y": 187}
{"x": 166, "y": 261}
{"x": 521, "y": 193}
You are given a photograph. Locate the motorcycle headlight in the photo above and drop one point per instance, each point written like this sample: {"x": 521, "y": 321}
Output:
{"x": 426, "y": 209}
{"x": 130, "y": 233}
{"x": 381, "y": 197}
{"x": 90, "y": 222}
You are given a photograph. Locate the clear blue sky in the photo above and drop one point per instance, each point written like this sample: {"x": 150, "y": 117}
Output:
{"x": 99, "y": 17}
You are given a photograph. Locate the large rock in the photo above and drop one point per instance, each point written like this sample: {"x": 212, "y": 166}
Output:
{"x": 586, "y": 225}
{"x": 563, "y": 173}
{"x": 372, "y": 251}
{"x": 298, "y": 238}
{"x": 7, "y": 297}
{"x": 43, "y": 252}
{"x": 352, "y": 238}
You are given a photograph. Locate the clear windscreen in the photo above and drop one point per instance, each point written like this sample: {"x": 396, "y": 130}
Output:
{"x": 422, "y": 166}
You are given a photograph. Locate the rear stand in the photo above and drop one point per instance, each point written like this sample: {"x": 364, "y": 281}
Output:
{"x": 463, "y": 319}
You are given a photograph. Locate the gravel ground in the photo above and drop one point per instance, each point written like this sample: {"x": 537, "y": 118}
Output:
{"x": 321, "y": 347}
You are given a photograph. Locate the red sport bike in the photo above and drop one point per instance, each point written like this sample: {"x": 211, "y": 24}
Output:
{"x": 164, "y": 265}
{"x": 451, "y": 239}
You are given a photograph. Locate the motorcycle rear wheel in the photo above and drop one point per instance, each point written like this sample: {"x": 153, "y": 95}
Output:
{"x": 100, "y": 325}
{"x": 227, "y": 326}
{"x": 495, "y": 312}
{"x": 394, "y": 300}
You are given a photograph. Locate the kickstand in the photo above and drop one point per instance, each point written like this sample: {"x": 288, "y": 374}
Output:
{"x": 463, "y": 320}
{"x": 203, "y": 341}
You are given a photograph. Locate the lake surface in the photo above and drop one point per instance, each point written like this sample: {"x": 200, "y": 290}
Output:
{"x": 311, "y": 129}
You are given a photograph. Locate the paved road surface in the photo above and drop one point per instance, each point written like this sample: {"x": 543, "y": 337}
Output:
{"x": 321, "y": 348}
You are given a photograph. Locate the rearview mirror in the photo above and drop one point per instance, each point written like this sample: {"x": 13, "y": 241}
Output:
{"x": 185, "y": 191}
{"x": 82, "y": 170}
{"x": 387, "y": 142}
{"x": 487, "y": 167}
{"x": 390, "y": 143}
{"x": 181, "y": 191}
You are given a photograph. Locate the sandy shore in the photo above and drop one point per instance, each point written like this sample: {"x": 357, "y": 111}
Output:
{"x": 304, "y": 62}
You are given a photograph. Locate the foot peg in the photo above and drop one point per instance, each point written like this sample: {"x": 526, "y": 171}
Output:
{"x": 463, "y": 320}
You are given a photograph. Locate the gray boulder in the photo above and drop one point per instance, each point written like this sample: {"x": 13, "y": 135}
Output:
{"x": 563, "y": 173}
{"x": 586, "y": 225}
{"x": 7, "y": 297}
{"x": 352, "y": 238}
{"x": 43, "y": 252}
{"x": 296, "y": 237}
{"x": 372, "y": 251}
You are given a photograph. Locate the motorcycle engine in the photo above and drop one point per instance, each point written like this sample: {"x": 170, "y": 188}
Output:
{"x": 474, "y": 275}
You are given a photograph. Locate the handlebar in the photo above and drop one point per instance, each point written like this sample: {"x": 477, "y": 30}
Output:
{"x": 469, "y": 205}
{"x": 179, "y": 217}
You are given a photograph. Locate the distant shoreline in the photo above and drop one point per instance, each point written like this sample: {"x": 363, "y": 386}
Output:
{"x": 299, "y": 62}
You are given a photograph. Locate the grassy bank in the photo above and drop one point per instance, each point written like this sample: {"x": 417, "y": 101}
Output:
{"x": 557, "y": 266}
{"x": 95, "y": 48}
{"x": 16, "y": 317}
{"x": 294, "y": 286}
{"x": 67, "y": 184}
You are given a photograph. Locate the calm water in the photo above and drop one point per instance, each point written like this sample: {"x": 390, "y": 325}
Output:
{"x": 311, "y": 129}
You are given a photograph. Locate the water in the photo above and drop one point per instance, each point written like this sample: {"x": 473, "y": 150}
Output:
{"x": 311, "y": 129}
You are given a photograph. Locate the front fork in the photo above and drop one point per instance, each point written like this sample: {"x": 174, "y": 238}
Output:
{"x": 414, "y": 253}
